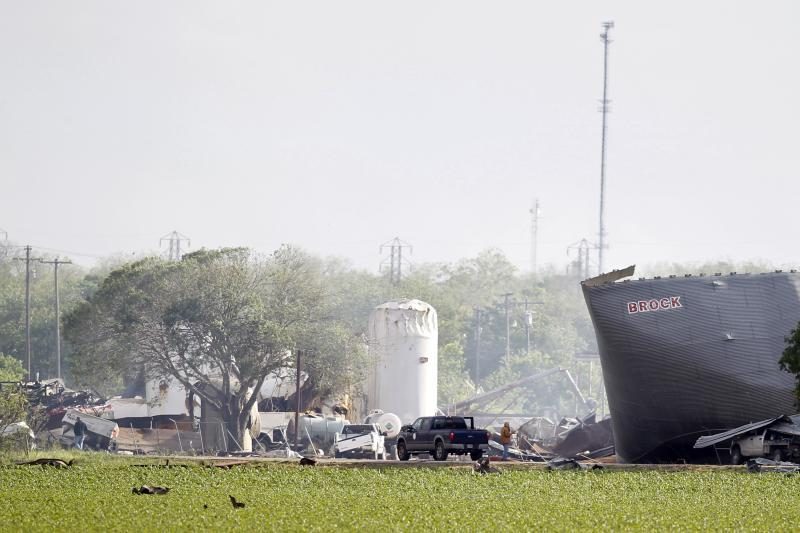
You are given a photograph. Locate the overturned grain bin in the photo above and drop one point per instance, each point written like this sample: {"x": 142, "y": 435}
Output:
{"x": 403, "y": 346}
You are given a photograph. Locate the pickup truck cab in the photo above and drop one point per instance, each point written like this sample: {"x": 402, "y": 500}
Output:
{"x": 765, "y": 443}
{"x": 441, "y": 436}
{"x": 364, "y": 440}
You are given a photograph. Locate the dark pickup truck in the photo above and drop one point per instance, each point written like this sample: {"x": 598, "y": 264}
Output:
{"x": 441, "y": 436}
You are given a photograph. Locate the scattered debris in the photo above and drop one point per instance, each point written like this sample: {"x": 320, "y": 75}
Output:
{"x": 236, "y": 504}
{"x": 757, "y": 465}
{"x": 307, "y": 461}
{"x": 56, "y": 463}
{"x": 483, "y": 466}
{"x": 588, "y": 438}
{"x": 561, "y": 463}
{"x": 227, "y": 465}
{"x": 147, "y": 489}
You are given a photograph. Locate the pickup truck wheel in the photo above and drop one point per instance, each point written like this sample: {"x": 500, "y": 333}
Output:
{"x": 736, "y": 455}
{"x": 477, "y": 454}
{"x": 402, "y": 452}
{"x": 777, "y": 455}
{"x": 439, "y": 453}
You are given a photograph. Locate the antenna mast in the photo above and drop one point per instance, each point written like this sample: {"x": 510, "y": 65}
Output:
{"x": 604, "y": 108}
{"x": 534, "y": 233}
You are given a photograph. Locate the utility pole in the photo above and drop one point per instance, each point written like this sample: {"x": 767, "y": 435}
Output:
{"x": 175, "y": 239}
{"x": 604, "y": 108}
{"x": 297, "y": 404}
{"x": 55, "y": 264}
{"x": 28, "y": 260}
{"x": 534, "y": 211}
{"x": 3, "y": 242}
{"x": 395, "y": 259}
{"x": 528, "y": 325}
{"x": 478, "y": 312}
{"x": 506, "y": 297}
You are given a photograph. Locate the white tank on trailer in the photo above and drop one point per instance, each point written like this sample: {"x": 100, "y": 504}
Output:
{"x": 388, "y": 422}
{"x": 404, "y": 346}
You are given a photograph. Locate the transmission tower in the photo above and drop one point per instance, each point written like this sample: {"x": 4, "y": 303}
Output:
{"x": 395, "y": 260}
{"x": 581, "y": 263}
{"x": 174, "y": 240}
{"x": 604, "y": 109}
{"x": 534, "y": 211}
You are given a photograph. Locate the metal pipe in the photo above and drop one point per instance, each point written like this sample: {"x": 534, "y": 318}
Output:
{"x": 179, "y": 433}
{"x": 297, "y": 404}
{"x": 234, "y": 440}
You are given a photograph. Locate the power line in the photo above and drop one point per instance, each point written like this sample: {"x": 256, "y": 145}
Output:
{"x": 55, "y": 264}
{"x": 28, "y": 260}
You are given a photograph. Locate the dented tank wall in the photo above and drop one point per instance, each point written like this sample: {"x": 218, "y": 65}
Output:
{"x": 689, "y": 356}
{"x": 404, "y": 348}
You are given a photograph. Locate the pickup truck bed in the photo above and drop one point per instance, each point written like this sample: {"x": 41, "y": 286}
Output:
{"x": 441, "y": 436}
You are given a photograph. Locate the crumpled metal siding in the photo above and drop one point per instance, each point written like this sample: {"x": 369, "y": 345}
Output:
{"x": 673, "y": 375}
{"x": 710, "y": 440}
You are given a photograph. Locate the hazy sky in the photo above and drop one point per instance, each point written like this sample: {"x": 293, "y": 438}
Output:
{"x": 340, "y": 125}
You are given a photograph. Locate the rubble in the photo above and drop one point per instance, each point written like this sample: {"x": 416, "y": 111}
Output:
{"x": 147, "y": 489}
{"x": 757, "y": 465}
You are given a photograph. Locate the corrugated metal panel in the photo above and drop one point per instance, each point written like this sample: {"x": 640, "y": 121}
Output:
{"x": 710, "y": 440}
{"x": 678, "y": 372}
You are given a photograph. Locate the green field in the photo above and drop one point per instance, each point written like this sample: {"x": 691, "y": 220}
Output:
{"x": 95, "y": 495}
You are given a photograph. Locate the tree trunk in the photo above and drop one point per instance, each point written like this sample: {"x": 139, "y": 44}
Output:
{"x": 238, "y": 435}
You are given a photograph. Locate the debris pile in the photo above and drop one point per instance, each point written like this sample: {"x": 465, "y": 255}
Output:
{"x": 541, "y": 440}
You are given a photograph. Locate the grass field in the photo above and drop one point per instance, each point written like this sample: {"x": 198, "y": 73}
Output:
{"x": 95, "y": 495}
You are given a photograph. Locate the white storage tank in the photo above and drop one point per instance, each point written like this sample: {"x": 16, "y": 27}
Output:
{"x": 404, "y": 347}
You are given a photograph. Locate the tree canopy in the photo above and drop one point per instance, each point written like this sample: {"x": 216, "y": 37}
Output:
{"x": 219, "y": 322}
{"x": 790, "y": 359}
{"x": 10, "y": 368}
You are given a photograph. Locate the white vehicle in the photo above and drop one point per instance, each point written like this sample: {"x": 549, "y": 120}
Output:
{"x": 101, "y": 433}
{"x": 359, "y": 440}
{"x": 764, "y": 443}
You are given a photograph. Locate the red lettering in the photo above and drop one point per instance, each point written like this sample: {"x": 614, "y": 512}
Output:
{"x": 656, "y": 304}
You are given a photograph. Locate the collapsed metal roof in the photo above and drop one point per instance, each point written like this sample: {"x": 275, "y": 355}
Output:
{"x": 780, "y": 424}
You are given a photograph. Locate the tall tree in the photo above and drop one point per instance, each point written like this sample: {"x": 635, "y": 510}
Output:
{"x": 217, "y": 321}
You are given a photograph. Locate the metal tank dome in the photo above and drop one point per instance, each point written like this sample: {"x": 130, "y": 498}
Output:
{"x": 404, "y": 347}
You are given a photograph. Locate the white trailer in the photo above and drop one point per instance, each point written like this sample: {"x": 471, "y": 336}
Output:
{"x": 101, "y": 433}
